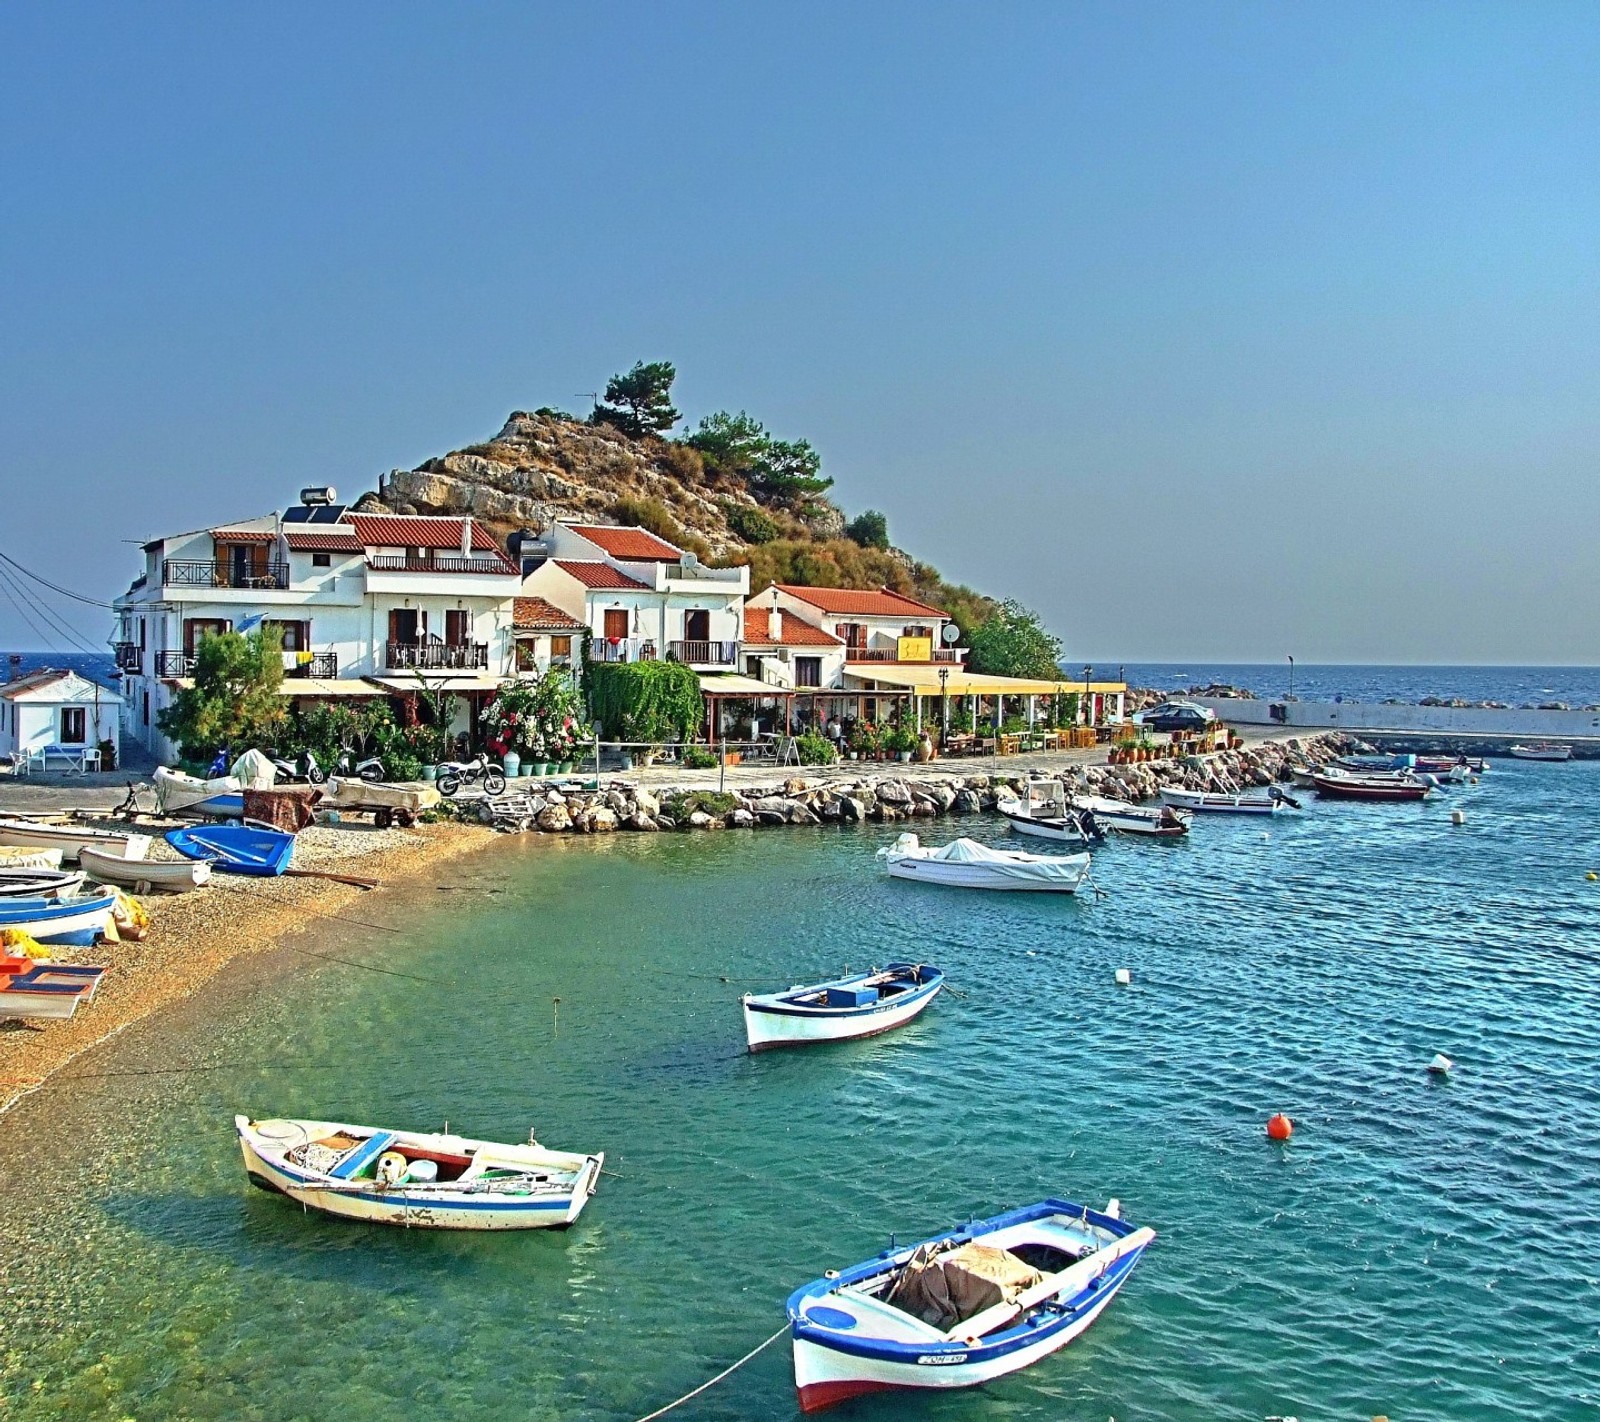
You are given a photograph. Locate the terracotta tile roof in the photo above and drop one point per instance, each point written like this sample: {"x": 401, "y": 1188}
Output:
{"x": 597, "y": 575}
{"x": 244, "y": 535}
{"x": 33, "y": 681}
{"x": 537, "y": 614}
{"x": 796, "y": 633}
{"x": 635, "y": 544}
{"x": 861, "y": 602}
{"x": 417, "y": 531}
{"x": 324, "y": 541}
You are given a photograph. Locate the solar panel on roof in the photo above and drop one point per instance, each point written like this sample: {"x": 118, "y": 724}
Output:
{"x": 316, "y": 513}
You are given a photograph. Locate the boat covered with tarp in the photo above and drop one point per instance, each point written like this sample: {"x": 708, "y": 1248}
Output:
{"x": 177, "y": 793}
{"x": 966, "y": 864}
{"x": 964, "y": 1307}
{"x": 858, "y": 1005}
{"x": 236, "y": 849}
{"x": 423, "y": 1180}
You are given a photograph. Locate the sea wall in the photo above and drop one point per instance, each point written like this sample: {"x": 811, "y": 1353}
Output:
{"x": 1359, "y": 717}
{"x": 839, "y": 798}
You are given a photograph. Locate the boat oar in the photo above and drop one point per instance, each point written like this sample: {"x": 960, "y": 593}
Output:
{"x": 352, "y": 879}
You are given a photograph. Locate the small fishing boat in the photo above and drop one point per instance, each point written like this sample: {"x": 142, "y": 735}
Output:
{"x": 179, "y": 794}
{"x": 1043, "y": 812}
{"x": 861, "y": 1005}
{"x": 236, "y": 849}
{"x": 14, "y": 856}
{"x": 1371, "y": 787}
{"x": 79, "y": 919}
{"x": 1224, "y": 802}
{"x": 1158, "y": 821}
{"x": 1379, "y": 761}
{"x": 1451, "y": 767}
{"x": 966, "y": 864}
{"x": 418, "y": 1179}
{"x": 48, "y": 990}
{"x": 964, "y": 1307}
{"x": 174, "y": 876}
{"x": 1541, "y": 750}
{"x": 69, "y": 839}
{"x": 39, "y": 883}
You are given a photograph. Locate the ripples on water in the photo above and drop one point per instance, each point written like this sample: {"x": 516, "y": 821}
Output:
{"x": 1422, "y": 1248}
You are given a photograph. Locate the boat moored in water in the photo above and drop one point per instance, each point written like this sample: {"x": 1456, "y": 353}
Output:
{"x": 1159, "y": 821}
{"x": 418, "y": 1179}
{"x": 1224, "y": 802}
{"x": 1043, "y": 811}
{"x": 1541, "y": 750}
{"x": 860, "y": 1005}
{"x": 1346, "y": 786}
{"x": 966, "y": 864}
{"x": 964, "y": 1307}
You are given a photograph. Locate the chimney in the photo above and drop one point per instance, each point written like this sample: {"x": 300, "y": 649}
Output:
{"x": 775, "y": 623}
{"x": 466, "y": 538}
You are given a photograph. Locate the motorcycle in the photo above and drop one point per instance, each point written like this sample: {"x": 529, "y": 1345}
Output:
{"x": 370, "y": 768}
{"x": 453, "y": 774}
{"x": 291, "y": 772}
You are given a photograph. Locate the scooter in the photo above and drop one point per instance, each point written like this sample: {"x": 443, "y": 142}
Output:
{"x": 291, "y": 772}
{"x": 371, "y": 768}
{"x": 453, "y": 774}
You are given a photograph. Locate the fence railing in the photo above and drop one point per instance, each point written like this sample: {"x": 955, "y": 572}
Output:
{"x": 216, "y": 573}
{"x": 699, "y": 654}
{"x": 402, "y": 563}
{"x": 323, "y": 666}
{"x": 128, "y": 657}
{"x": 436, "y": 656}
{"x": 623, "y": 649}
{"x": 174, "y": 663}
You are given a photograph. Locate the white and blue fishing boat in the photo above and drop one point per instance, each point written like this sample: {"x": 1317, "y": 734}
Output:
{"x": 54, "y": 991}
{"x": 236, "y": 849}
{"x": 861, "y": 1005}
{"x": 39, "y": 883}
{"x": 422, "y": 1180}
{"x": 77, "y": 920}
{"x": 964, "y": 1307}
{"x": 1375, "y": 762}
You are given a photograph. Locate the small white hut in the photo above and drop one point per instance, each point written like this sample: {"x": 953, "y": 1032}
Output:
{"x": 49, "y": 710}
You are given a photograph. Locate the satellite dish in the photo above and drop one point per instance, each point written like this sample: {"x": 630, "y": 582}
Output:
{"x": 951, "y": 634}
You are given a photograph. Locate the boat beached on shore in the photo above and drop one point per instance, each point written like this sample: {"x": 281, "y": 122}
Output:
{"x": 52, "y": 991}
{"x": 175, "y": 876}
{"x": 961, "y": 1308}
{"x": 861, "y": 1005}
{"x": 77, "y": 919}
{"x": 70, "y": 839}
{"x": 39, "y": 883}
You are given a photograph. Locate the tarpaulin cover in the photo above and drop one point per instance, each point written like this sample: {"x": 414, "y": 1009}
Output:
{"x": 946, "y": 1288}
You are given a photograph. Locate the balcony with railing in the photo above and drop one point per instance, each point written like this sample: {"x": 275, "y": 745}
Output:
{"x": 440, "y": 563}
{"x": 321, "y": 666}
{"x": 622, "y": 649}
{"x": 129, "y": 657}
{"x": 704, "y": 654}
{"x": 175, "y": 663}
{"x": 214, "y": 573}
{"x": 857, "y": 653}
{"x": 436, "y": 656}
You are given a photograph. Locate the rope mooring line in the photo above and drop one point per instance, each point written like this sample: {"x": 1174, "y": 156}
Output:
{"x": 712, "y": 1382}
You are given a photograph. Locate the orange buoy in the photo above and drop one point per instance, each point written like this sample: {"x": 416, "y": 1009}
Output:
{"x": 1279, "y": 1128}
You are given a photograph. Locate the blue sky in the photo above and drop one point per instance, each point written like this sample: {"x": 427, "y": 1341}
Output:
{"x": 1210, "y": 331}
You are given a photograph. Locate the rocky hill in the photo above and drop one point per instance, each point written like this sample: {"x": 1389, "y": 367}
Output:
{"x": 547, "y": 465}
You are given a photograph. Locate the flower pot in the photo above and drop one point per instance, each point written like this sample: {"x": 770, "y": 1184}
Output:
{"x": 905, "y": 755}
{"x": 512, "y": 764}
{"x": 542, "y": 767}
{"x": 855, "y": 755}
{"x": 565, "y": 767}
{"x": 430, "y": 772}
{"x": 627, "y": 761}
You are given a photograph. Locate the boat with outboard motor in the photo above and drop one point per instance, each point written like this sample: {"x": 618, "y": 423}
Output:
{"x": 1227, "y": 802}
{"x": 966, "y": 864}
{"x": 1541, "y": 750}
{"x": 1042, "y": 811}
{"x": 859, "y": 1005}
{"x": 1151, "y": 821}
{"x": 1344, "y": 785}
{"x": 963, "y": 1307}
{"x": 419, "y": 1179}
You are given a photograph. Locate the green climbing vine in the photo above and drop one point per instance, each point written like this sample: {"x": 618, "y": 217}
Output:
{"x": 648, "y": 702}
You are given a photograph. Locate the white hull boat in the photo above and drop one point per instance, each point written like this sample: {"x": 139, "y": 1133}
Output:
{"x": 1541, "y": 750}
{"x": 962, "y": 1308}
{"x": 20, "y": 857}
{"x": 1043, "y": 812}
{"x": 858, "y": 1006}
{"x": 180, "y": 794}
{"x": 79, "y": 920}
{"x": 39, "y": 883}
{"x": 966, "y": 864}
{"x": 1220, "y": 802}
{"x": 51, "y": 991}
{"x": 1125, "y": 818}
{"x": 70, "y": 839}
{"x": 174, "y": 876}
{"x": 417, "y": 1179}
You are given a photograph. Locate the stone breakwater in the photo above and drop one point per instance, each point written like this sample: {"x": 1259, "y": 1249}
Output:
{"x": 832, "y": 798}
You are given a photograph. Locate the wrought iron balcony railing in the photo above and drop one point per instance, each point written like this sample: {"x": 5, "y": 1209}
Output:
{"x": 704, "y": 654}
{"x": 444, "y": 563}
{"x": 323, "y": 666}
{"x": 436, "y": 656}
{"x": 129, "y": 658}
{"x": 174, "y": 663}
{"x": 183, "y": 573}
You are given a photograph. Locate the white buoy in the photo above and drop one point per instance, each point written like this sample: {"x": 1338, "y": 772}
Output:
{"x": 1124, "y": 977}
{"x": 1441, "y": 1065}
{"x": 1458, "y": 817}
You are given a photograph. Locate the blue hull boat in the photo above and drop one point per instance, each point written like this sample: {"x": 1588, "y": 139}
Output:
{"x": 236, "y": 849}
{"x": 77, "y": 921}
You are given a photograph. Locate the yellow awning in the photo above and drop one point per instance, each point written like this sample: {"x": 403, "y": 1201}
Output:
{"x": 318, "y": 686}
{"x": 439, "y": 681}
{"x": 729, "y": 684}
{"x": 924, "y": 680}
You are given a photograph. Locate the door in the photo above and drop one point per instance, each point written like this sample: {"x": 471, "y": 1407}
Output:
{"x": 405, "y": 626}
{"x": 697, "y": 625}
{"x": 457, "y": 628}
{"x": 616, "y": 624}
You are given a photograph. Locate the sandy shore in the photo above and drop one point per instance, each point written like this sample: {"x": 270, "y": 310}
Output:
{"x": 193, "y": 936}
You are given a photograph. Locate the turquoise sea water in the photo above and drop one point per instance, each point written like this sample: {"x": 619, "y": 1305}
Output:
{"x": 1420, "y": 1248}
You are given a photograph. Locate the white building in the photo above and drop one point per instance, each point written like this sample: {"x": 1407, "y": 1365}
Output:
{"x": 48, "y": 709}
{"x": 545, "y": 635}
{"x": 364, "y": 602}
{"x": 641, "y": 598}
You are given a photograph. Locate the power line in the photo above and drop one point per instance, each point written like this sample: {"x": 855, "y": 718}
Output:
{"x": 65, "y": 592}
{"x": 45, "y": 612}
{"x": 38, "y": 631}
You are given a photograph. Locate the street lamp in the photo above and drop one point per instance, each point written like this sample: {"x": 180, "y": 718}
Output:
{"x": 944, "y": 705}
{"x": 1088, "y": 704}
{"x": 1291, "y": 678}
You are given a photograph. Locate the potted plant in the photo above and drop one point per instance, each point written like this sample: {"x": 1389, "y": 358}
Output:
{"x": 511, "y": 763}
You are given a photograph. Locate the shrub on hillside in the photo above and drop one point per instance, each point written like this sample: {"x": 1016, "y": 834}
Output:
{"x": 649, "y": 514}
{"x": 750, "y": 523}
{"x": 869, "y": 529}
